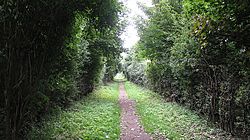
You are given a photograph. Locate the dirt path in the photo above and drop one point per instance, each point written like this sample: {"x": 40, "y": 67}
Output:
{"x": 130, "y": 127}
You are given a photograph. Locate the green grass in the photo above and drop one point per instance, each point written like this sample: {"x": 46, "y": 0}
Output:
{"x": 95, "y": 117}
{"x": 169, "y": 119}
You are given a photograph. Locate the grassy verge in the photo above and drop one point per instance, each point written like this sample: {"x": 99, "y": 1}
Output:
{"x": 95, "y": 117}
{"x": 170, "y": 120}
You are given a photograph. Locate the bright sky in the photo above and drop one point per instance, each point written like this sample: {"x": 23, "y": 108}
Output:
{"x": 130, "y": 36}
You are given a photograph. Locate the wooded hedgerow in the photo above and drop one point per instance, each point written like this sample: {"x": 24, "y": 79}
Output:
{"x": 197, "y": 53}
{"x": 51, "y": 53}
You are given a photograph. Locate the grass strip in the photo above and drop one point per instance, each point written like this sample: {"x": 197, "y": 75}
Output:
{"x": 170, "y": 120}
{"x": 95, "y": 117}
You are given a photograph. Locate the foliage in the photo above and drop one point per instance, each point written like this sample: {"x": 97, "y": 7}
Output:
{"x": 134, "y": 70}
{"x": 170, "y": 120}
{"x": 120, "y": 77}
{"x": 95, "y": 117}
{"x": 199, "y": 56}
{"x": 52, "y": 52}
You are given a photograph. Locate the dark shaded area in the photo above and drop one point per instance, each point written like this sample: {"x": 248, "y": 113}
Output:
{"x": 51, "y": 53}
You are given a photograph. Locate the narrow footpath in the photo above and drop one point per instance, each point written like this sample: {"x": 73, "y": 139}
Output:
{"x": 130, "y": 127}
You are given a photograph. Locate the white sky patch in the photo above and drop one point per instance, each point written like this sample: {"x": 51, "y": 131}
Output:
{"x": 130, "y": 36}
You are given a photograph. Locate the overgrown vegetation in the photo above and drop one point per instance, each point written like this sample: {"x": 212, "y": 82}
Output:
{"x": 51, "y": 53}
{"x": 95, "y": 117}
{"x": 197, "y": 54}
{"x": 170, "y": 120}
{"x": 194, "y": 52}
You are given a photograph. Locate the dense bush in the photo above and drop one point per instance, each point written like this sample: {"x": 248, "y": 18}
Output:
{"x": 199, "y": 53}
{"x": 52, "y": 52}
{"x": 134, "y": 70}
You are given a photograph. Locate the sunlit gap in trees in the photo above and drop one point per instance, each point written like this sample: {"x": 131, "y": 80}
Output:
{"x": 130, "y": 36}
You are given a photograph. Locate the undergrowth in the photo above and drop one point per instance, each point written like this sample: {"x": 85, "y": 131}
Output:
{"x": 170, "y": 120}
{"x": 95, "y": 117}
